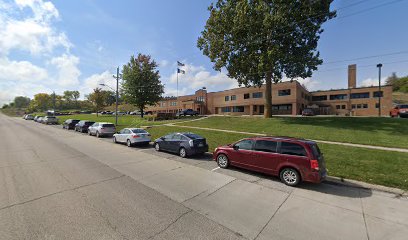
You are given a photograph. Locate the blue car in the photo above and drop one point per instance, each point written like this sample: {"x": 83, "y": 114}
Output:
{"x": 184, "y": 144}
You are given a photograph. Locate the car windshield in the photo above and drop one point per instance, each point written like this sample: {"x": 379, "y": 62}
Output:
{"x": 403, "y": 106}
{"x": 138, "y": 131}
{"x": 192, "y": 136}
{"x": 108, "y": 125}
{"x": 89, "y": 123}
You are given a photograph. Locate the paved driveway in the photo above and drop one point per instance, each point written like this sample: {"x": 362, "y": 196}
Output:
{"x": 58, "y": 184}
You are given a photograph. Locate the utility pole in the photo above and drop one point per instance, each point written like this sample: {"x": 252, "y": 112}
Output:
{"x": 53, "y": 102}
{"x": 117, "y": 96}
{"x": 379, "y": 88}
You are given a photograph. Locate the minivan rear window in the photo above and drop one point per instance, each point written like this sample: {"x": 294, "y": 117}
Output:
{"x": 315, "y": 150}
{"x": 293, "y": 149}
{"x": 108, "y": 125}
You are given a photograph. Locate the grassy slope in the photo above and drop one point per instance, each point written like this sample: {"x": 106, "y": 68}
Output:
{"x": 373, "y": 166}
{"x": 400, "y": 98}
{"x": 372, "y": 131}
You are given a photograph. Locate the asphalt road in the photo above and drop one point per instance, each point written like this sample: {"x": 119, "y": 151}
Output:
{"x": 58, "y": 184}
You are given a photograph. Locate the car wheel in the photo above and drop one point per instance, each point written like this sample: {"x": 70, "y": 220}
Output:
{"x": 114, "y": 140}
{"x": 222, "y": 161}
{"x": 128, "y": 143}
{"x": 97, "y": 135}
{"x": 182, "y": 152}
{"x": 157, "y": 146}
{"x": 290, "y": 176}
{"x": 89, "y": 133}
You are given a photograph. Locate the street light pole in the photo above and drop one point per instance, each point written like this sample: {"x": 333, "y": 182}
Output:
{"x": 379, "y": 88}
{"x": 117, "y": 96}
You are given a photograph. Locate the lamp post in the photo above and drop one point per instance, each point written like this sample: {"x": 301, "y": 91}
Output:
{"x": 117, "y": 94}
{"x": 203, "y": 100}
{"x": 379, "y": 88}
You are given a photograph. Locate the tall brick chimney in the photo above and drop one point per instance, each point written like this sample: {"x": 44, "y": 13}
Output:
{"x": 352, "y": 76}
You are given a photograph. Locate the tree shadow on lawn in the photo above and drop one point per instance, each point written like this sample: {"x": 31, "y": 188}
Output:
{"x": 369, "y": 124}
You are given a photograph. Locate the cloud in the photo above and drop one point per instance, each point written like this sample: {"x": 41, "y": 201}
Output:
{"x": 369, "y": 82}
{"x": 95, "y": 80}
{"x": 197, "y": 77}
{"x": 68, "y": 72}
{"x": 164, "y": 63}
{"x": 310, "y": 84}
{"x": 27, "y": 30}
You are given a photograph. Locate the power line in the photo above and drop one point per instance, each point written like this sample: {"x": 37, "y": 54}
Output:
{"x": 366, "y": 57}
{"x": 369, "y": 9}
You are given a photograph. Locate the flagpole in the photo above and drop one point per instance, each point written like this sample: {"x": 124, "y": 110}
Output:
{"x": 177, "y": 84}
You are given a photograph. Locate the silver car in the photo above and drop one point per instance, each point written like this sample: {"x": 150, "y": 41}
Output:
{"x": 29, "y": 117}
{"x": 132, "y": 136}
{"x": 100, "y": 129}
{"x": 39, "y": 119}
{"x": 49, "y": 120}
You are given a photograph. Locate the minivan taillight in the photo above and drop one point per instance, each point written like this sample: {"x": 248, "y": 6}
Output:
{"x": 314, "y": 165}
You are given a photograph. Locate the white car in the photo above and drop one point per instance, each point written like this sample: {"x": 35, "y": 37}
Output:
{"x": 132, "y": 136}
{"x": 100, "y": 129}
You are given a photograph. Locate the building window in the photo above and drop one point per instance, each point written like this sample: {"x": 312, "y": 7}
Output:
{"x": 200, "y": 99}
{"x": 238, "y": 109}
{"x": 358, "y": 105}
{"x": 233, "y": 97}
{"x": 378, "y": 94}
{"x": 343, "y": 106}
{"x": 173, "y": 103}
{"x": 255, "y": 108}
{"x": 360, "y": 95}
{"x": 285, "y": 92}
{"x": 353, "y": 106}
{"x": 257, "y": 95}
{"x": 377, "y": 105}
{"x": 303, "y": 95}
{"x": 226, "y": 98}
{"x": 337, "y": 106}
{"x": 226, "y": 109}
{"x": 365, "y": 105}
{"x": 319, "y": 98}
{"x": 162, "y": 104}
{"x": 246, "y": 96}
{"x": 338, "y": 97}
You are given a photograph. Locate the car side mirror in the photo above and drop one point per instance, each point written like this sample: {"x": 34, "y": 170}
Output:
{"x": 235, "y": 147}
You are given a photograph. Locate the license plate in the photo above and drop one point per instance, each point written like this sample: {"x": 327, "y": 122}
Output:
{"x": 200, "y": 145}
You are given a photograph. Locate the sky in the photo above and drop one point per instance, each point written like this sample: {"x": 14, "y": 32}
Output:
{"x": 59, "y": 45}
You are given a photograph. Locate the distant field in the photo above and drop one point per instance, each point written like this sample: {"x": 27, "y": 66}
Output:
{"x": 386, "y": 132}
{"x": 372, "y": 166}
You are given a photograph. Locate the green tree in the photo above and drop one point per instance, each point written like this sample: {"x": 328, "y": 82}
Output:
{"x": 97, "y": 98}
{"x": 391, "y": 80}
{"x": 141, "y": 82}
{"x": 21, "y": 102}
{"x": 5, "y": 106}
{"x": 41, "y": 102}
{"x": 260, "y": 41}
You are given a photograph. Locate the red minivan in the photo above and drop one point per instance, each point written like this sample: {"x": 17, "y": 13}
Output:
{"x": 293, "y": 160}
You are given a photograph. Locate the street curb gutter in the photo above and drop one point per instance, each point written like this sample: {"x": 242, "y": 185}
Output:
{"x": 367, "y": 186}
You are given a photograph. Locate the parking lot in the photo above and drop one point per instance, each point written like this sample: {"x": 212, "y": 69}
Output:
{"x": 91, "y": 188}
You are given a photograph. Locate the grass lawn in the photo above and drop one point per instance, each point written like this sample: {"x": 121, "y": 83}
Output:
{"x": 123, "y": 121}
{"x": 368, "y": 165}
{"x": 386, "y": 132}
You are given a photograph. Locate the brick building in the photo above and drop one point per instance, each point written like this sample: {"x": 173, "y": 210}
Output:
{"x": 288, "y": 98}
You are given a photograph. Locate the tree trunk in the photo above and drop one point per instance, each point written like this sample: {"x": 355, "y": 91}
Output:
{"x": 141, "y": 112}
{"x": 268, "y": 96}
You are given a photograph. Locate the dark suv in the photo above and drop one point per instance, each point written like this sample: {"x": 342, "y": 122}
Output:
{"x": 70, "y": 124}
{"x": 82, "y": 126}
{"x": 185, "y": 144}
{"x": 293, "y": 160}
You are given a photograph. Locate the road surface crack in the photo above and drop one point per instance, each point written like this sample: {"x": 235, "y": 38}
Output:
{"x": 173, "y": 222}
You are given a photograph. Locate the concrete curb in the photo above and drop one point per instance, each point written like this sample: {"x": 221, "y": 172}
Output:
{"x": 364, "y": 185}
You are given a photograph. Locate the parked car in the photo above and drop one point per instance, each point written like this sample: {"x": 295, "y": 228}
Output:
{"x": 29, "y": 117}
{"x": 308, "y": 112}
{"x": 50, "y": 120}
{"x": 36, "y": 118}
{"x": 132, "y": 136}
{"x": 100, "y": 129}
{"x": 187, "y": 112}
{"x": 70, "y": 124}
{"x": 82, "y": 126}
{"x": 40, "y": 119}
{"x": 185, "y": 144}
{"x": 293, "y": 160}
{"x": 400, "y": 111}
{"x": 119, "y": 113}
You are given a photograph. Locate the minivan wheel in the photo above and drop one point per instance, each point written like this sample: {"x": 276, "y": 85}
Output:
{"x": 182, "y": 152}
{"x": 128, "y": 143}
{"x": 222, "y": 161}
{"x": 290, "y": 176}
{"x": 157, "y": 146}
